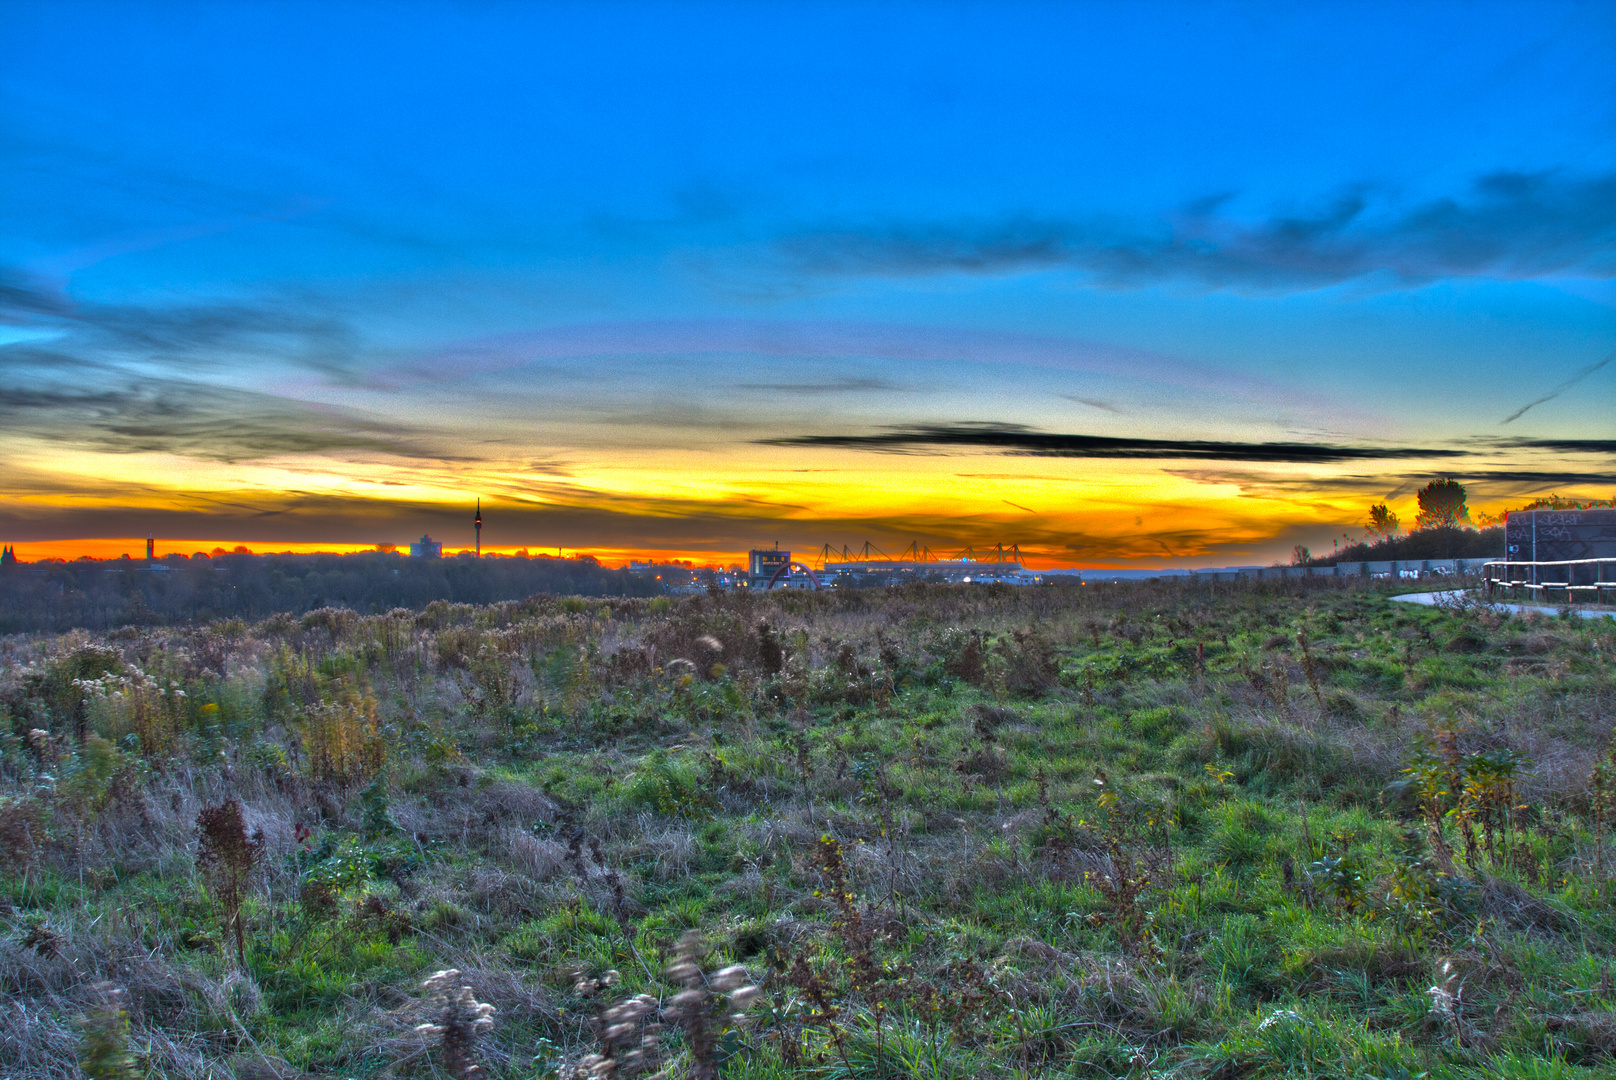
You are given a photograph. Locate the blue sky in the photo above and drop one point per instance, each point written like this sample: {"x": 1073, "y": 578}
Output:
{"x": 543, "y": 250}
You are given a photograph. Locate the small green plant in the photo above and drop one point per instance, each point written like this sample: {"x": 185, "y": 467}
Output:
{"x": 1310, "y": 667}
{"x": 1602, "y": 802}
{"x": 1340, "y": 876}
{"x": 104, "y": 1051}
{"x": 1137, "y": 851}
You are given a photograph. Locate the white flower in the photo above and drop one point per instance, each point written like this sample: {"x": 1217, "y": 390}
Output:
{"x": 1282, "y": 1016}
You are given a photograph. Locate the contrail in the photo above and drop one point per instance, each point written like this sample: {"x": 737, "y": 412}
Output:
{"x": 1558, "y": 390}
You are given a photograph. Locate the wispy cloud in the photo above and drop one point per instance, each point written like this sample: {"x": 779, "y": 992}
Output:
{"x": 848, "y": 385}
{"x": 214, "y": 335}
{"x": 1558, "y": 390}
{"x": 1094, "y": 403}
{"x": 26, "y": 298}
{"x": 210, "y": 423}
{"x": 1018, "y": 439}
{"x": 137, "y": 378}
{"x": 1512, "y": 225}
{"x": 658, "y": 342}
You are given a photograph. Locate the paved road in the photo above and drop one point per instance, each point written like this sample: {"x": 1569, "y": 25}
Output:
{"x": 1437, "y": 599}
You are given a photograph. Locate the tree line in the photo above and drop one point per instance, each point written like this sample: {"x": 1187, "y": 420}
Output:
{"x": 98, "y": 595}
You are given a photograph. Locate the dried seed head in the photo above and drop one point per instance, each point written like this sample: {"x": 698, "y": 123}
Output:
{"x": 686, "y": 1001}
{"x": 730, "y": 978}
{"x": 438, "y": 980}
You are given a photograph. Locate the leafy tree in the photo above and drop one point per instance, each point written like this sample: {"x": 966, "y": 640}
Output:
{"x": 1442, "y": 505}
{"x": 1382, "y": 522}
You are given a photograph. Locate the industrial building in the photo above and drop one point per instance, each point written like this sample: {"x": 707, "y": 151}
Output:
{"x": 893, "y": 571}
{"x": 870, "y": 565}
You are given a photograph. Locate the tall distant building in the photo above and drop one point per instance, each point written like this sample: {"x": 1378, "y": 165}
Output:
{"x": 478, "y": 521}
{"x": 762, "y": 565}
{"x": 8, "y": 557}
{"x": 151, "y": 545}
{"x": 426, "y": 548}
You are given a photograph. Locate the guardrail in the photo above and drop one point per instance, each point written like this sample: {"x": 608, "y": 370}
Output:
{"x": 1589, "y": 578}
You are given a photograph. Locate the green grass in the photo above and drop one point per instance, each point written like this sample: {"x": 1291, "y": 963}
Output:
{"x": 1104, "y": 831}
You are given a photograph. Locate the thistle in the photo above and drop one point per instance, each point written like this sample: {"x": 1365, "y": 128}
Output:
{"x": 460, "y": 1018}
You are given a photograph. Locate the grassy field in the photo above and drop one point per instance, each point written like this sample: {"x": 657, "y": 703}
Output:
{"x": 1147, "y": 830}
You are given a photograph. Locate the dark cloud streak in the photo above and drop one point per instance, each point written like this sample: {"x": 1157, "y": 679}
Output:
{"x": 1386, "y": 484}
{"x": 1016, "y": 439}
{"x": 1564, "y": 446}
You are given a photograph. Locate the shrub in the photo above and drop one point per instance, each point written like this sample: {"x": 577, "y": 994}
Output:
{"x": 226, "y": 857}
{"x": 342, "y": 742}
{"x": 104, "y": 1052}
{"x": 1029, "y": 661}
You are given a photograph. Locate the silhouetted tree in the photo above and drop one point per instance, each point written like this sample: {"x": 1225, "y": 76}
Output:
{"x": 1382, "y": 522}
{"x": 1442, "y": 505}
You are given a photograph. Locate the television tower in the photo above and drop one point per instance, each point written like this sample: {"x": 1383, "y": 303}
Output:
{"x": 478, "y": 521}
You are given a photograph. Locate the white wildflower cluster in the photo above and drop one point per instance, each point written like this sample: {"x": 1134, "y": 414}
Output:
{"x": 23, "y": 674}
{"x": 132, "y": 683}
{"x": 49, "y": 748}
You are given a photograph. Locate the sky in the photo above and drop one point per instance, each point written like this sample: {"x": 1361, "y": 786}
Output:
{"x": 1127, "y": 284}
